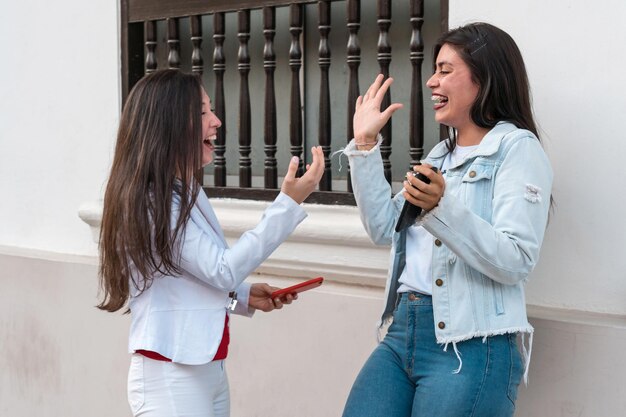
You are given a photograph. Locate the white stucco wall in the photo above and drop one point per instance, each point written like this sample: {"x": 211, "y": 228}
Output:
{"x": 59, "y": 107}
{"x": 575, "y": 64}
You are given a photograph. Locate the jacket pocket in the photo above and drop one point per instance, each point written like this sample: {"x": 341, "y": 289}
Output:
{"x": 498, "y": 298}
{"x": 477, "y": 189}
{"x": 490, "y": 290}
{"x": 136, "y": 388}
{"x": 478, "y": 172}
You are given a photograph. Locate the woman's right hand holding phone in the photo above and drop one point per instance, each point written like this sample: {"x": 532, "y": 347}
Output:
{"x": 368, "y": 120}
{"x": 300, "y": 188}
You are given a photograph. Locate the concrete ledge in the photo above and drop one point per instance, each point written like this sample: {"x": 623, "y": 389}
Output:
{"x": 565, "y": 315}
{"x": 331, "y": 242}
{"x": 46, "y": 255}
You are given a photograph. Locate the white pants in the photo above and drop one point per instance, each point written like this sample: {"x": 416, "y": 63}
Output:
{"x": 166, "y": 389}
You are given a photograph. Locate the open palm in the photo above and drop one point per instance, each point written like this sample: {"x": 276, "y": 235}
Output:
{"x": 368, "y": 120}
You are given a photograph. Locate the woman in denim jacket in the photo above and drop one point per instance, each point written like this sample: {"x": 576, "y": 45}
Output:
{"x": 457, "y": 275}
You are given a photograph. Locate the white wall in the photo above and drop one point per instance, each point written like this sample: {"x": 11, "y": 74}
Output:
{"x": 58, "y": 113}
{"x": 59, "y": 107}
{"x": 59, "y": 355}
{"x": 573, "y": 52}
{"x": 62, "y": 357}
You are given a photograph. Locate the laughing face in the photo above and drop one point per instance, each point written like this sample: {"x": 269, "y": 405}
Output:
{"x": 210, "y": 124}
{"x": 453, "y": 90}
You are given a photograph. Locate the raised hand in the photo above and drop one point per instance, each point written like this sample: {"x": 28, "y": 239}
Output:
{"x": 368, "y": 120}
{"x": 300, "y": 188}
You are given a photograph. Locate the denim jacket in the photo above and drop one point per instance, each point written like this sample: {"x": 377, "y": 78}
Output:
{"x": 489, "y": 226}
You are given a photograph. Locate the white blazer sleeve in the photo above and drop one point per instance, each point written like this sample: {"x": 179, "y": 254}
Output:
{"x": 226, "y": 268}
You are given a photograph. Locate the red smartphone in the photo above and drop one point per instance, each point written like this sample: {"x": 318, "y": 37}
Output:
{"x": 303, "y": 286}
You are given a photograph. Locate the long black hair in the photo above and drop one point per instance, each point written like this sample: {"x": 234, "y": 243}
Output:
{"x": 497, "y": 67}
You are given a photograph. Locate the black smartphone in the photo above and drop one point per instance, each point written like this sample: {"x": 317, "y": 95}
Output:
{"x": 410, "y": 212}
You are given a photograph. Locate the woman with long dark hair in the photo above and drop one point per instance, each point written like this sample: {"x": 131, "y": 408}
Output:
{"x": 458, "y": 273}
{"x": 163, "y": 252}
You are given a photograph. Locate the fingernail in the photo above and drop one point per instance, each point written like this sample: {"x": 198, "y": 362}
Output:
{"x": 294, "y": 159}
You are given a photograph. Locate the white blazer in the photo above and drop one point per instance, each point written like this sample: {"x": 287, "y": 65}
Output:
{"x": 182, "y": 317}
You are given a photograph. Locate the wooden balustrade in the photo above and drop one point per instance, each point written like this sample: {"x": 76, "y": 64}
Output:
{"x": 140, "y": 45}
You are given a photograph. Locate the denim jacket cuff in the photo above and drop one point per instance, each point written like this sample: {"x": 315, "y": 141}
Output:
{"x": 351, "y": 149}
{"x": 425, "y": 216}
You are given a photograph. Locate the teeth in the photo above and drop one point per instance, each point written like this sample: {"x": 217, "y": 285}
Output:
{"x": 439, "y": 99}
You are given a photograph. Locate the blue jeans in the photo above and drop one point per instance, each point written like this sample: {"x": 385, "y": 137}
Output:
{"x": 409, "y": 374}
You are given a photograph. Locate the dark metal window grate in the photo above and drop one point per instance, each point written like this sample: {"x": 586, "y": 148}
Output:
{"x": 143, "y": 51}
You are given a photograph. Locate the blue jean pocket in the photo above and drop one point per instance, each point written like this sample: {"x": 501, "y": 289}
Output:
{"x": 516, "y": 368}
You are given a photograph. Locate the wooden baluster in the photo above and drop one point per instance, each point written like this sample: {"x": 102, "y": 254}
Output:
{"x": 295, "y": 63}
{"x": 245, "y": 164}
{"x": 269, "y": 63}
{"x": 325, "y": 116}
{"x": 354, "y": 60}
{"x": 219, "y": 66}
{"x": 384, "y": 58}
{"x": 416, "y": 117}
{"x": 151, "y": 44}
{"x": 197, "y": 63}
{"x": 173, "y": 43}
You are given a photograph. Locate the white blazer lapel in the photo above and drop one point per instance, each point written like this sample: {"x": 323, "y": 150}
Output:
{"x": 210, "y": 219}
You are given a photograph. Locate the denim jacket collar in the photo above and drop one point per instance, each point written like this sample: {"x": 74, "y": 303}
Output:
{"x": 489, "y": 145}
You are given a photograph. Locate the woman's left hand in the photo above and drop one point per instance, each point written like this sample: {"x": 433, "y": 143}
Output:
{"x": 424, "y": 195}
{"x": 261, "y": 300}
{"x": 368, "y": 119}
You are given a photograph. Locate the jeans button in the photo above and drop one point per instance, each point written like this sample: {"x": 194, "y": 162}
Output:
{"x": 442, "y": 325}
{"x": 412, "y": 297}
{"x": 439, "y": 282}
{"x": 437, "y": 242}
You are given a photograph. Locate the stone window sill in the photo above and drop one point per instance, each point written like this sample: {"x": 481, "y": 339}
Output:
{"x": 331, "y": 242}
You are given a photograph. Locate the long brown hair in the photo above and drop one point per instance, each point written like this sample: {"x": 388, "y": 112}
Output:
{"x": 158, "y": 151}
